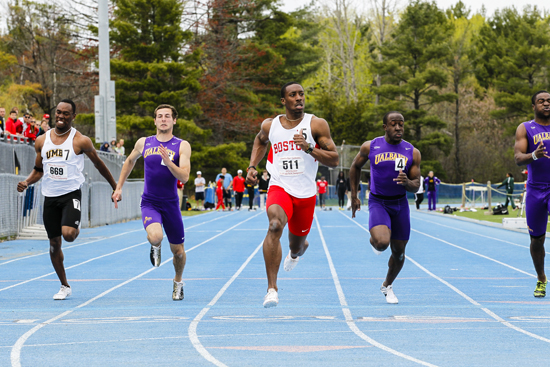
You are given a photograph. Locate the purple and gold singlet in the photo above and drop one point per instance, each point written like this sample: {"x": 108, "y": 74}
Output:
{"x": 160, "y": 183}
{"x": 537, "y": 199}
{"x": 383, "y": 166}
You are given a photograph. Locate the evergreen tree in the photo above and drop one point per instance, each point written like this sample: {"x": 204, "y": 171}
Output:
{"x": 514, "y": 58}
{"x": 413, "y": 74}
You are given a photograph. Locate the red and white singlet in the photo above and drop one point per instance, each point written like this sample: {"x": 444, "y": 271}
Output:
{"x": 289, "y": 166}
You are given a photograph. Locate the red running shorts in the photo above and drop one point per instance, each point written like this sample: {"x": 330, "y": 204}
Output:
{"x": 298, "y": 211}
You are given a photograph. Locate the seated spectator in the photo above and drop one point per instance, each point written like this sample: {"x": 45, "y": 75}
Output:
{"x": 32, "y": 130}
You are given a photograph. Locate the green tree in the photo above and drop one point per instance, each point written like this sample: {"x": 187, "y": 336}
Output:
{"x": 413, "y": 73}
{"x": 514, "y": 58}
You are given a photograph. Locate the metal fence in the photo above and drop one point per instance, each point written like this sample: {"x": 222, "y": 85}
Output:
{"x": 21, "y": 210}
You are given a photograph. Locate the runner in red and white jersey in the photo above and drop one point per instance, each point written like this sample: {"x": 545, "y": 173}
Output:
{"x": 298, "y": 142}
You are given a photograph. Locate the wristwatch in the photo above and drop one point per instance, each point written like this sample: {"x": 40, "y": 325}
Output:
{"x": 310, "y": 149}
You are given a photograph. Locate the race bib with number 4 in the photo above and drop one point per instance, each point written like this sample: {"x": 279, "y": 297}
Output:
{"x": 400, "y": 164}
{"x": 291, "y": 166}
{"x": 58, "y": 171}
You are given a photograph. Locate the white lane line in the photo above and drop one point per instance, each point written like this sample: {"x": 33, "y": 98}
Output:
{"x": 109, "y": 254}
{"x": 72, "y": 266}
{"x": 68, "y": 247}
{"x": 347, "y": 312}
{"x": 192, "y": 331}
{"x": 487, "y": 311}
{"x": 16, "y": 349}
{"x": 103, "y": 239}
{"x": 474, "y": 233}
{"x": 475, "y": 253}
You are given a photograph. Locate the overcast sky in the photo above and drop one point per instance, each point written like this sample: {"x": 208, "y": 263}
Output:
{"x": 474, "y": 5}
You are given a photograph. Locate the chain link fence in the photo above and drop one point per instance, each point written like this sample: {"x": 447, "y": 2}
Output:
{"x": 21, "y": 210}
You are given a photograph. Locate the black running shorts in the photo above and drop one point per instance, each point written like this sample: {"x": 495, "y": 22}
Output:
{"x": 61, "y": 211}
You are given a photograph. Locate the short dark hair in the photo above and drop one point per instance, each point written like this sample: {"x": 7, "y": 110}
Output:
{"x": 174, "y": 112}
{"x": 222, "y": 177}
{"x": 534, "y": 98}
{"x": 385, "y": 118}
{"x": 12, "y": 111}
{"x": 69, "y": 101}
{"x": 283, "y": 88}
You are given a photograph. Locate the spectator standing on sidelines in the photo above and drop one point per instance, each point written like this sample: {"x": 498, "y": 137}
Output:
{"x": 508, "y": 184}
{"x": 419, "y": 195}
{"x": 200, "y": 185}
{"x": 180, "y": 186}
{"x": 120, "y": 147}
{"x": 228, "y": 180}
{"x": 32, "y": 129}
{"x": 220, "y": 191}
{"x": 2, "y": 118}
{"x": 238, "y": 187}
{"x": 322, "y": 186}
{"x": 11, "y": 123}
{"x": 250, "y": 189}
{"x": 44, "y": 126}
{"x": 263, "y": 186}
{"x": 431, "y": 183}
{"x": 341, "y": 190}
{"x": 60, "y": 161}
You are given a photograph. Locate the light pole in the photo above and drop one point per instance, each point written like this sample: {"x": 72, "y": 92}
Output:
{"x": 104, "y": 103}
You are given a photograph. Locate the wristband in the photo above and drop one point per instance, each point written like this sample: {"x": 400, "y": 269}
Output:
{"x": 534, "y": 156}
{"x": 38, "y": 169}
{"x": 249, "y": 167}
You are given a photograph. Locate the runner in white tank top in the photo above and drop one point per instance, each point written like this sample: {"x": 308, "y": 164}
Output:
{"x": 62, "y": 166}
{"x": 60, "y": 159}
{"x": 290, "y": 167}
{"x": 298, "y": 142}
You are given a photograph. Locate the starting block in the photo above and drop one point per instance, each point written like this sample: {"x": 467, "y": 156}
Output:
{"x": 520, "y": 223}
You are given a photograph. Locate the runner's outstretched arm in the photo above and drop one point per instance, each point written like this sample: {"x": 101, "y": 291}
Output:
{"x": 258, "y": 151}
{"x": 127, "y": 167}
{"x": 355, "y": 175}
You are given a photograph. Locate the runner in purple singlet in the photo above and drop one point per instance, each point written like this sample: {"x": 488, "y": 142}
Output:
{"x": 167, "y": 160}
{"x": 395, "y": 169}
{"x": 531, "y": 149}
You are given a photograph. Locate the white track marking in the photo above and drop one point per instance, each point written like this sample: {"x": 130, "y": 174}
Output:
{"x": 475, "y": 253}
{"x": 469, "y": 299}
{"x": 474, "y": 233}
{"x": 103, "y": 239}
{"x": 347, "y": 312}
{"x": 192, "y": 331}
{"x": 16, "y": 349}
{"x": 72, "y": 266}
{"x": 71, "y": 246}
{"x": 487, "y": 311}
{"x": 112, "y": 253}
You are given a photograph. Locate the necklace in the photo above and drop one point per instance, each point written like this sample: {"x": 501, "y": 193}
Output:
{"x": 55, "y": 132}
{"x": 289, "y": 120}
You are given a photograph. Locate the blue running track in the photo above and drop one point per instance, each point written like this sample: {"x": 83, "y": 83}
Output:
{"x": 465, "y": 299}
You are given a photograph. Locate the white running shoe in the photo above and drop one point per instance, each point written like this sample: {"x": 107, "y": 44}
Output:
{"x": 290, "y": 263}
{"x": 177, "y": 293}
{"x": 155, "y": 255}
{"x": 271, "y": 299}
{"x": 63, "y": 293}
{"x": 388, "y": 292}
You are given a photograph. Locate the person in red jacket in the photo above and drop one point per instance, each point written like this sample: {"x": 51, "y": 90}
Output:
{"x": 32, "y": 129}
{"x": 219, "y": 192}
{"x": 238, "y": 187}
{"x": 11, "y": 123}
{"x": 322, "y": 185}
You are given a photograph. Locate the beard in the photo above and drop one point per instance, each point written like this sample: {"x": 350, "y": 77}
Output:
{"x": 540, "y": 115}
